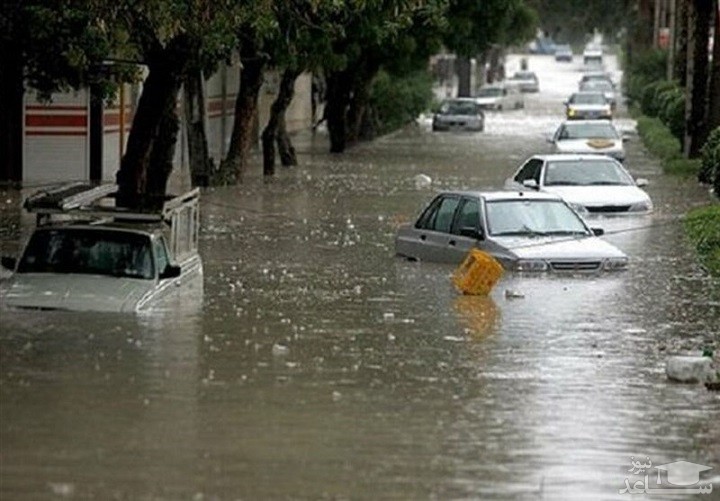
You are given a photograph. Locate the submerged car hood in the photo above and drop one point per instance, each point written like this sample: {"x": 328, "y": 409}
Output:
{"x": 562, "y": 247}
{"x": 594, "y": 196}
{"x": 74, "y": 292}
{"x": 588, "y": 145}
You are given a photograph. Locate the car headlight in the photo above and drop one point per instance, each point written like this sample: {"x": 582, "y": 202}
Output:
{"x": 616, "y": 263}
{"x": 570, "y": 112}
{"x": 645, "y": 206}
{"x": 531, "y": 265}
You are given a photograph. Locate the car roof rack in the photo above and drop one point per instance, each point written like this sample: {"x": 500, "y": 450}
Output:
{"x": 98, "y": 202}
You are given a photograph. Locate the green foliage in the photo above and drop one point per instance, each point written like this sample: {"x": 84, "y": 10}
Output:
{"x": 685, "y": 167}
{"x": 649, "y": 102}
{"x": 645, "y": 69}
{"x": 658, "y": 139}
{"x": 710, "y": 155}
{"x": 672, "y": 111}
{"x": 702, "y": 227}
{"x": 398, "y": 101}
{"x": 570, "y": 20}
{"x": 474, "y": 26}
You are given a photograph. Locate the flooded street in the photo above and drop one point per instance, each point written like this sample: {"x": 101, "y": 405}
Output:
{"x": 317, "y": 365}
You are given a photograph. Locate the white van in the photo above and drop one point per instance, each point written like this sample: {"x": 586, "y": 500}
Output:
{"x": 500, "y": 96}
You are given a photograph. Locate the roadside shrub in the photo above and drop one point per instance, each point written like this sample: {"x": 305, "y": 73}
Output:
{"x": 650, "y": 103}
{"x": 645, "y": 68}
{"x": 658, "y": 139}
{"x": 672, "y": 111}
{"x": 688, "y": 167}
{"x": 702, "y": 227}
{"x": 710, "y": 154}
{"x": 398, "y": 101}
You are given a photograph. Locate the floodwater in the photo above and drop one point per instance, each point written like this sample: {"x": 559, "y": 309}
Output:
{"x": 319, "y": 366}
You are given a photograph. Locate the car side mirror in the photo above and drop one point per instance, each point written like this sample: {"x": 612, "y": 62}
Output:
{"x": 641, "y": 181}
{"x": 598, "y": 232}
{"x": 8, "y": 262}
{"x": 471, "y": 232}
{"x": 530, "y": 183}
{"x": 171, "y": 271}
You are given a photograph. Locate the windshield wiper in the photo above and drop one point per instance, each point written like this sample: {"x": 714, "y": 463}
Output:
{"x": 561, "y": 183}
{"x": 525, "y": 231}
{"x": 567, "y": 232}
{"x": 606, "y": 183}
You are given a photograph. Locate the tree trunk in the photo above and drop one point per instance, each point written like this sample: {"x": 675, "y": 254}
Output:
{"x": 271, "y": 134}
{"x": 672, "y": 24}
{"x": 359, "y": 102}
{"x": 714, "y": 106}
{"x": 163, "y": 152}
{"x": 154, "y": 125}
{"x": 463, "y": 72}
{"x": 12, "y": 92}
{"x": 337, "y": 100}
{"x": 246, "y": 108}
{"x": 288, "y": 157}
{"x": 681, "y": 42}
{"x": 700, "y": 13}
{"x": 201, "y": 165}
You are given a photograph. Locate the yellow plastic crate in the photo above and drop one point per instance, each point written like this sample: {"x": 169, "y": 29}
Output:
{"x": 478, "y": 273}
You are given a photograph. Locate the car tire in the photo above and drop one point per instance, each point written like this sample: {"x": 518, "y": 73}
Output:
{"x": 499, "y": 108}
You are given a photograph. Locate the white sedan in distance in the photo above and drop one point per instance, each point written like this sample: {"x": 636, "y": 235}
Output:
{"x": 589, "y": 136}
{"x": 595, "y": 184}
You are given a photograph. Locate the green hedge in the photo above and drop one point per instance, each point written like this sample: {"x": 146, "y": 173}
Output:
{"x": 710, "y": 168}
{"x": 703, "y": 228}
{"x": 644, "y": 69}
{"x": 398, "y": 101}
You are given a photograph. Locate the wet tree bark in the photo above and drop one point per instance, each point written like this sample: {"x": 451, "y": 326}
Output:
{"x": 12, "y": 92}
{"x": 288, "y": 157}
{"x": 358, "y": 126}
{"x": 246, "y": 108}
{"x": 463, "y": 72}
{"x": 700, "y": 12}
{"x": 681, "y": 42}
{"x": 154, "y": 126}
{"x": 714, "y": 107}
{"x": 338, "y": 99}
{"x": 271, "y": 133}
{"x": 201, "y": 165}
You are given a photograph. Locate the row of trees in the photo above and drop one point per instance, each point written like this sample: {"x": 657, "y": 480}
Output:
{"x": 685, "y": 53}
{"x": 56, "y": 45}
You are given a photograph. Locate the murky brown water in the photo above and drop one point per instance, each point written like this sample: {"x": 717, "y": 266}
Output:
{"x": 319, "y": 366}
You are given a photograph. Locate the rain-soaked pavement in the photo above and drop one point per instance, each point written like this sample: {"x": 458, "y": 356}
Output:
{"x": 319, "y": 366}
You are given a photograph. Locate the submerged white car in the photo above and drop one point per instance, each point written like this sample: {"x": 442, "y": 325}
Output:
{"x": 589, "y": 136}
{"x": 588, "y": 106}
{"x": 500, "y": 96}
{"x": 524, "y": 230}
{"x": 85, "y": 255}
{"x": 595, "y": 184}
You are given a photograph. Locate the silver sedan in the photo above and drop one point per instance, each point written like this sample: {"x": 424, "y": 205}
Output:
{"x": 525, "y": 231}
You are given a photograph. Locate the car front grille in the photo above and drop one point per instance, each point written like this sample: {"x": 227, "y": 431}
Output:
{"x": 575, "y": 265}
{"x": 605, "y": 209}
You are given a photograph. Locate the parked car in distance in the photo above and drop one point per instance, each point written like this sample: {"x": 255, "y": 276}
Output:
{"x": 500, "y": 96}
{"x": 589, "y": 136}
{"x": 596, "y": 75}
{"x": 563, "y": 53}
{"x": 523, "y": 230}
{"x": 588, "y": 105}
{"x": 87, "y": 255}
{"x": 459, "y": 114}
{"x": 607, "y": 88}
{"x": 592, "y": 54}
{"x": 526, "y": 80}
{"x": 594, "y": 184}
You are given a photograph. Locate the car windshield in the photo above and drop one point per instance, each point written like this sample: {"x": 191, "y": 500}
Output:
{"x": 490, "y": 92}
{"x": 586, "y": 173}
{"x": 88, "y": 251}
{"x": 562, "y": 48}
{"x": 599, "y": 130}
{"x": 458, "y": 108}
{"x": 532, "y": 218}
{"x": 589, "y": 98}
{"x": 523, "y": 75}
{"x": 597, "y": 84}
